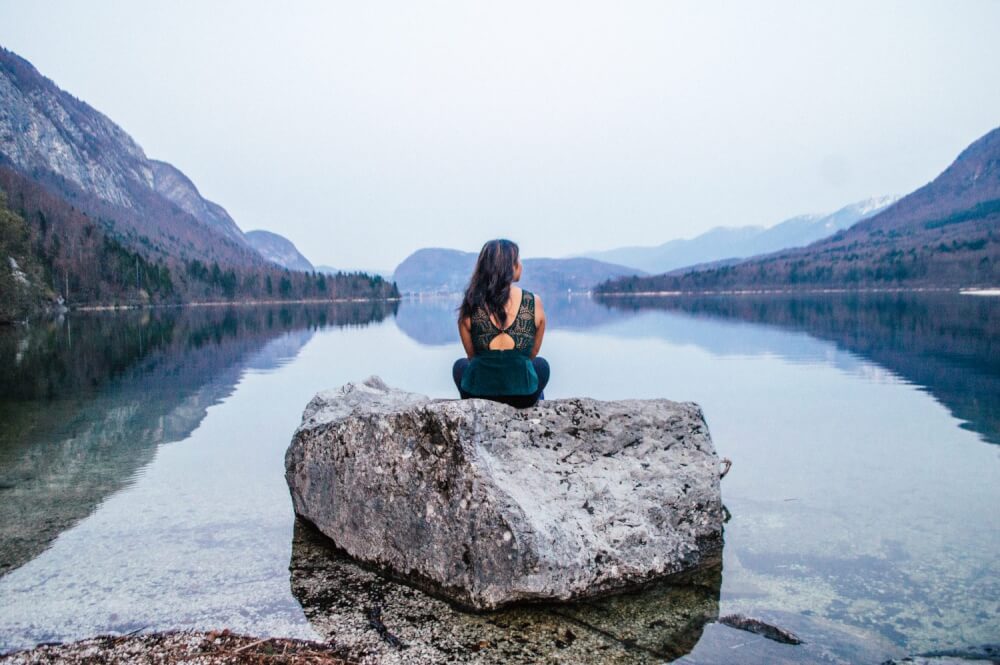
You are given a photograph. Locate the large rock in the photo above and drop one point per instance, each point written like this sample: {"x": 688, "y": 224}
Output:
{"x": 486, "y": 505}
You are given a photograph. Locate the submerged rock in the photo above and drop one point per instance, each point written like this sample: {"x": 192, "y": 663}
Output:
{"x": 218, "y": 647}
{"x": 486, "y": 505}
{"x": 759, "y": 627}
{"x": 659, "y": 622}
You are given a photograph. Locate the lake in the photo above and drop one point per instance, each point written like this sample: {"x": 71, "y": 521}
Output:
{"x": 142, "y": 479}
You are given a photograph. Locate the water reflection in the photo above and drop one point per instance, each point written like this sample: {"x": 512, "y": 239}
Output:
{"x": 86, "y": 401}
{"x": 432, "y": 321}
{"x": 947, "y": 343}
{"x": 864, "y": 519}
{"x": 661, "y": 622}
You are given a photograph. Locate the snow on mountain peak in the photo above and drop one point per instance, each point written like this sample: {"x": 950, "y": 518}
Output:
{"x": 876, "y": 203}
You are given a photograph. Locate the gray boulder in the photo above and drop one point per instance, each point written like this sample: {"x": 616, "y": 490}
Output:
{"x": 486, "y": 505}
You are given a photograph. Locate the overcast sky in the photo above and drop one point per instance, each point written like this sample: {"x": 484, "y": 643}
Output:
{"x": 365, "y": 130}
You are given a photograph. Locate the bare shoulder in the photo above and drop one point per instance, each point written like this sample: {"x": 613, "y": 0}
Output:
{"x": 516, "y": 294}
{"x": 539, "y": 310}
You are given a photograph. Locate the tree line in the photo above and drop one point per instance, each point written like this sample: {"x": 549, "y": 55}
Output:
{"x": 63, "y": 254}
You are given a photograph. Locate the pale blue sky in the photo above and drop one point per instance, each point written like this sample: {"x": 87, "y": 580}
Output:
{"x": 365, "y": 130}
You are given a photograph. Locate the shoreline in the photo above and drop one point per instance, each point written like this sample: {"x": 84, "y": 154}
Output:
{"x": 974, "y": 291}
{"x": 984, "y": 291}
{"x": 62, "y": 310}
{"x": 228, "y": 303}
{"x": 184, "y": 646}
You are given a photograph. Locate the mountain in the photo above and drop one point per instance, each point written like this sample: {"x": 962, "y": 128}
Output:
{"x": 944, "y": 234}
{"x": 435, "y": 270}
{"x": 178, "y": 188}
{"x": 739, "y": 242}
{"x": 278, "y": 249}
{"x": 107, "y": 225}
{"x": 61, "y": 142}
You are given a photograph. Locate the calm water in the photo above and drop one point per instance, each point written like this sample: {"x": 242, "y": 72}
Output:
{"x": 141, "y": 455}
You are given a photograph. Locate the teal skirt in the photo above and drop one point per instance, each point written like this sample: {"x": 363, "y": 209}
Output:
{"x": 496, "y": 373}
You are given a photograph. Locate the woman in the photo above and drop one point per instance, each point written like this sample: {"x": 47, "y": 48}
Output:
{"x": 501, "y": 327}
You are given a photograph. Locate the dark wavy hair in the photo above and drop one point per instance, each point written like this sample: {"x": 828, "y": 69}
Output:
{"x": 489, "y": 286}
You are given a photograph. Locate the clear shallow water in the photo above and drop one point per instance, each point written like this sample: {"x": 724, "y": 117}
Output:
{"x": 141, "y": 454}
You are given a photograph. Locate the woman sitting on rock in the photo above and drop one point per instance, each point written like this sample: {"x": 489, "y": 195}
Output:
{"x": 501, "y": 327}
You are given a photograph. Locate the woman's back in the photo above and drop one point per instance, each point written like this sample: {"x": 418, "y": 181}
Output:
{"x": 501, "y": 327}
{"x": 518, "y": 335}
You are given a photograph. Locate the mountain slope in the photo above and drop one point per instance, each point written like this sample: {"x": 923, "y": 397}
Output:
{"x": 176, "y": 187}
{"x": 744, "y": 241}
{"x": 108, "y": 225}
{"x": 945, "y": 234}
{"x": 279, "y": 250}
{"x": 55, "y": 139}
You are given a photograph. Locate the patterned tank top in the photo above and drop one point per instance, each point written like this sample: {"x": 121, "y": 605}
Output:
{"x": 521, "y": 329}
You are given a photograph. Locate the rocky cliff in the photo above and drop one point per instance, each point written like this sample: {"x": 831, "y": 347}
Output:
{"x": 53, "y": 138}
{"x": 109, "y": 226}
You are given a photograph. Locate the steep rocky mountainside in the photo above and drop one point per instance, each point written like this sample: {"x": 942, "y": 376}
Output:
{"x": 48, "y": 135}
{"x": 278, "y": 250}
{"x": 436, "y": 270}
{"x": 731, "y": 243}
{"x": 945, "y": 234}
{"x": 107, "y": 225}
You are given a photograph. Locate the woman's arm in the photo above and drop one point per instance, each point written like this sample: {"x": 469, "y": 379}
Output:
{"x": 539, "y": 326}
{"x": 465, "y": 332}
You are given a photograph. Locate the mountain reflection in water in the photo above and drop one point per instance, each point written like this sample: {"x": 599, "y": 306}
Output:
{"x": 86, "y": 400}
{"x": 945, "y": 343}
{"x": 432, "y": 320}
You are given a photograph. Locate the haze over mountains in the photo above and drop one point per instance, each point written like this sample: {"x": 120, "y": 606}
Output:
{"x": 436, "y": 270}
{"x": 945, "y": 234}
{"x": 629, "y": 269}
{"x": 89, "y": 217}
{"x": 743, "y": 241}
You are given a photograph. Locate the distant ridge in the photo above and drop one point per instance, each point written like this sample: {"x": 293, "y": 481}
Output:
{"x": 279, "y": 250}
{"x": 945, "y": 234}
{"x": 731, "y": 243}
{"x": 437, "y": 270}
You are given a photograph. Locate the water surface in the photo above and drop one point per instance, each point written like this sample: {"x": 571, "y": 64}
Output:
{"x": 141, "y": 459}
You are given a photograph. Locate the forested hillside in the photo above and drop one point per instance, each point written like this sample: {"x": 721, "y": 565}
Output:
{"x": 67, "y": 254}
